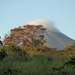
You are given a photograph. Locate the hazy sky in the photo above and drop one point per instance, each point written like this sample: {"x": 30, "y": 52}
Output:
{"x": 15, "y": 13}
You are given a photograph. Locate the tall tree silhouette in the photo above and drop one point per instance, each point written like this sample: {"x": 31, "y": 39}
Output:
{"x": 1, "y": 42}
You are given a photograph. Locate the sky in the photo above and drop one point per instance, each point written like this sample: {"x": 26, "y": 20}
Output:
{"x": 15, "y": 13}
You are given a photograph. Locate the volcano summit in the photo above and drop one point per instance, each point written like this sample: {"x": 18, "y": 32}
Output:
{"x": 54, "y": 38}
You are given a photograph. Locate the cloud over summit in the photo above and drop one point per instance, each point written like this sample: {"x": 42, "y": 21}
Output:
{"x": 46, "y": 23}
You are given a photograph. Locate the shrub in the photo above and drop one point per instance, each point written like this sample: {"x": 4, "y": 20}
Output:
{"x": 2, "y": 54}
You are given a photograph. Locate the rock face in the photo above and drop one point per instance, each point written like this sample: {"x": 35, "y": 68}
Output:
{"x": 38, "y": 32}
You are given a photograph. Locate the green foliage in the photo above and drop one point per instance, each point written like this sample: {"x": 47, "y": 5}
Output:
{"x": 71, "y": 62}
{"x": 39, "y": 61}
{"x": 70, "y": 47}
{"x": 16, "y": 50}
{"x": 3, "y": 54}
{"x": 43, "y": 66}
{"x": 13, "y": 47}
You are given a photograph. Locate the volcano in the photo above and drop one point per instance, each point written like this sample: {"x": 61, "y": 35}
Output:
{"x": 38, "y": 32}
{"x": 54, "y": 38}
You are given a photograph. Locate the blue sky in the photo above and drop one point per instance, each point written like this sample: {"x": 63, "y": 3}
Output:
{"x": 15, "y": 13}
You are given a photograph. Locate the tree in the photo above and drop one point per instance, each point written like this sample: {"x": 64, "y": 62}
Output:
{"x": 13, "y": 49}
{"x": 1, "y": 42}
{"x": 2, "y": 54}
{"x": 35, "y": 35}
{"x": 70, "y": 62}
{"x": 28, "y": 35}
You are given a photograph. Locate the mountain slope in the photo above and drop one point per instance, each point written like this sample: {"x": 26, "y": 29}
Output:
{"x": 57, "y": 39}
{"x": 54, "y": 38}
